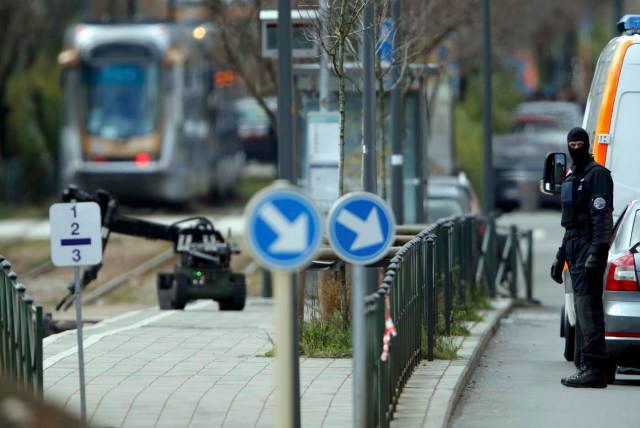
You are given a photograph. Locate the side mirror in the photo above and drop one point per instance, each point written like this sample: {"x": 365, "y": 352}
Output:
{"x": 555, "y": 170}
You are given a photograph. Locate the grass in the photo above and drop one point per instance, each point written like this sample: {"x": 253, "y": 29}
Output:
{"x": 325, "y": 339}
{"x": 322, "y": 339}
{"x": 247, "y": 187}
{"x": 445, "y": 348}
{"x": 13, "y": 210}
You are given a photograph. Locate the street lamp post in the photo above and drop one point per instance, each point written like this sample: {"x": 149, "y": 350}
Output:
{"x": 397, "y": 174}
{"x": 486, "y": 110}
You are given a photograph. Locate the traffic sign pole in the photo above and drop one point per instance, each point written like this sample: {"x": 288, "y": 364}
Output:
{"x": 359, "y": 346}
{"x": 285, "y": 350}
{"x": 76, "y": 241}
{"x": 78, "y": 301}
{"x": 360, "y": 228}
{"x": 284, "y": 232}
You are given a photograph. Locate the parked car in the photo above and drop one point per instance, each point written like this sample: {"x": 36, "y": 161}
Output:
{"x": 563, "y": 114}
{"x": 517, "y": 168}
{"x": 621, "y": 297}
{"x": 258, "y": 138}
{"x": 622, "y": 290}
{"x": 526, "y": 123}
{"x": 448, "y": 196}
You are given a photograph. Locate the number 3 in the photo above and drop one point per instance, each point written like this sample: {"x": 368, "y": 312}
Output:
{"x": 76, "y": 255}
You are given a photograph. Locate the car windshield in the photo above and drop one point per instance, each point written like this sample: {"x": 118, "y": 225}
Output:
{"x": 120, "y": 99}
{"x": 441, "y": 208}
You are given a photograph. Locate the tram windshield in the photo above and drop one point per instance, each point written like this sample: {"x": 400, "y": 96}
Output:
{"x": 120, "y": 98}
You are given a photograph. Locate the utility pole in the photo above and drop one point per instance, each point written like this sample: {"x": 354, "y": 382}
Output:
{"x": 618, "y": 12}
{"x": 487, "y": 191}
{"x": 285, "y": 94}
{"x": 323, "y": 77}
{"x": 397, "y": 160}
{"x": 369, "y": 167}
{"x": 365, "y": 279}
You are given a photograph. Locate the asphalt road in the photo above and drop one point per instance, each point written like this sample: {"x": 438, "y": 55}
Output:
{"x": 517, "y": 382}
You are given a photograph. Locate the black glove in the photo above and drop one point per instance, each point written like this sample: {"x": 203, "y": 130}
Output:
{"x": 556, "y": 270}
{"x": 594, "y": 265}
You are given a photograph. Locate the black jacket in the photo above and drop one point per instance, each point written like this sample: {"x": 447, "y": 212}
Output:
{"x": 587, "y": 206}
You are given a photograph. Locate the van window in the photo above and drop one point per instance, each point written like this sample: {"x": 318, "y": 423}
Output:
{"x": 625, "y": 155}
{"x": 594, "y": 101}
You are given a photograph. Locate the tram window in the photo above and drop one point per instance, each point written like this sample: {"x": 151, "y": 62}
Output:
{"x": 120, "y": 99}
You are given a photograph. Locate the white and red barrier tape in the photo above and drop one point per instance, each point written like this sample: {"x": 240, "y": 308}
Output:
{"x": 389, "y": 330}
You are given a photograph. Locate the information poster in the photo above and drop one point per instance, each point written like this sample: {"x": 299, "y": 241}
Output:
{"x": 323, "y": 137}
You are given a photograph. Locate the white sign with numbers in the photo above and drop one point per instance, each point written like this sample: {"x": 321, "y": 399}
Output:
{"x": 75, "y": 234}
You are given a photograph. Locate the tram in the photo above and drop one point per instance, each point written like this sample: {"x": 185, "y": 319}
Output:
{"x": 143, "y": 118}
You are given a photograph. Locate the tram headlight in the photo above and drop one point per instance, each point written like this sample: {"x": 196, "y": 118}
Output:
{"x": 199, "y": 32}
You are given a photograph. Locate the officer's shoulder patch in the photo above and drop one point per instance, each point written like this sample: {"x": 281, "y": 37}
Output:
{"x": 599, "y": 203}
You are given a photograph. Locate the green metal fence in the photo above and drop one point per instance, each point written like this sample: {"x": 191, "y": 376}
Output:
{"x": 444, "y": 267}
{"x": 21, "y": 333}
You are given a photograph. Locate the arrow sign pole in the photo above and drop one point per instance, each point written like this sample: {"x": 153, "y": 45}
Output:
{"x": 369, "y": 218}
{"x": 286, "y": 349}
{"x": 284, "y": 233}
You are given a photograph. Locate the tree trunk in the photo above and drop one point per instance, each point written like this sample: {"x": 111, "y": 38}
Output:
{"x": 342, "y": 103}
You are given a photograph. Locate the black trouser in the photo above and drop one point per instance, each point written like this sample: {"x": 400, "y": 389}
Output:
{"x": 587, "y": 292}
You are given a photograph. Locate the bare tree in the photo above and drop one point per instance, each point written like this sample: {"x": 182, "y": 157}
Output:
{"x": 238, "y": 26}
{"x": 342, "y": 21}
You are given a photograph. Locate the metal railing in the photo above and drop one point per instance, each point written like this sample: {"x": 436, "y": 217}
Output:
{"x": 447, "y": 266}
{"x": 21, "y": 333}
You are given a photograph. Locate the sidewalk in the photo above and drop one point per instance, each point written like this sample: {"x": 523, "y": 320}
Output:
{"x": 203, "y": 368}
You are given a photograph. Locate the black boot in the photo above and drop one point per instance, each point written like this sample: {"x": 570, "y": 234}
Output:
{"x": 591, "y": 377}
{"x": 581, "y": 368}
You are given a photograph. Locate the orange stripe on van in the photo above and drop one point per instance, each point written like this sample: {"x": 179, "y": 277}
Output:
{"x": 608, "y": 98}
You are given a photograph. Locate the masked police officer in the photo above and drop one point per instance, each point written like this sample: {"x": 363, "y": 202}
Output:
{"x": 587, "y": 205}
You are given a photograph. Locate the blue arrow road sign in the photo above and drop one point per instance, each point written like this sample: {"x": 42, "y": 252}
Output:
{"x": 284, "y": 228}
{"x": 361, "y": 227}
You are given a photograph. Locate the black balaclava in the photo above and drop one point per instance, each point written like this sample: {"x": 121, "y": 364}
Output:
{"x": 580, "y": 156}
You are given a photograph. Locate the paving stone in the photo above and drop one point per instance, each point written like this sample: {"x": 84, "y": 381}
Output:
{"x": 175, "y": 372}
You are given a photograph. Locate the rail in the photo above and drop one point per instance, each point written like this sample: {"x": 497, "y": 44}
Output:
{"x": 21, "y": 333}
{"x": 447, "y": 266}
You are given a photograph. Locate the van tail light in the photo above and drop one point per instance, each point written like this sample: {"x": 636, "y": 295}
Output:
{"x": 622, "y": 274}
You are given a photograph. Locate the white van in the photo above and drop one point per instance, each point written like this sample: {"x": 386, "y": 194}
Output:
{"x": 612, "y": 114}
{"x": 612, "y": 119}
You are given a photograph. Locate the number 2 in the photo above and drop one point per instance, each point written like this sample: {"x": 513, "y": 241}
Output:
{"x": 76, "y": 255}
{"x": 74, "y": 228}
